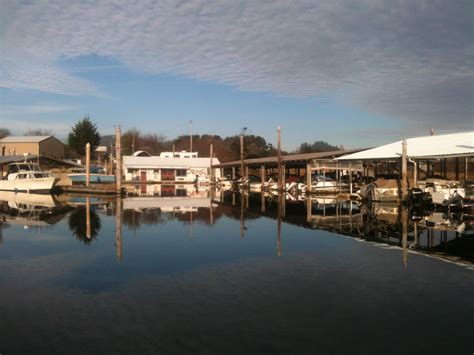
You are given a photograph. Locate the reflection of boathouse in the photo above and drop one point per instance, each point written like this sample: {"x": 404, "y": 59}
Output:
{"x": 167, "y": 167}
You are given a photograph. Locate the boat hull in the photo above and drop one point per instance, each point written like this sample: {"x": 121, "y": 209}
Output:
{"x": 29, "y": 185}
{"x": 94, "y": 178}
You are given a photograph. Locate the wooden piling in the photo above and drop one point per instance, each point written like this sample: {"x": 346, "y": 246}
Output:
{"x": 308, "y": 178}
{"x": 280, "y": 180}
{"x": 118, "y": 159}
{"x": 88, "y": 164}
{"x": 211, "y": 170}
{"x": 262, "y": 175}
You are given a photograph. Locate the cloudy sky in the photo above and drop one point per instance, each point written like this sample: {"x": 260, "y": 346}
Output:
{"x": 356, "y": 73}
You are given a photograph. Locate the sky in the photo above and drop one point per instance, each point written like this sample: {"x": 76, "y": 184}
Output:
{"x": 353, "y": 73}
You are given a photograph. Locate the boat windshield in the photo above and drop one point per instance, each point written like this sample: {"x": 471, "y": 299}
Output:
{"x": 15, "y": 168}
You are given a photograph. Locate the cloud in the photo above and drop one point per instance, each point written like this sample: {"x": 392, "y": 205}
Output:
{"x": 35, "y": 109}
{"x": 405, "y": 59}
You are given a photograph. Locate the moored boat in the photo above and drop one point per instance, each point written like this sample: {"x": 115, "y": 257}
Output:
{"x": 27, "y": 177}
{"x": 97, "y": 175}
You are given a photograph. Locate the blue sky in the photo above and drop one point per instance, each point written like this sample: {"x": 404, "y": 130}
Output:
{"x": 352, "y": 75}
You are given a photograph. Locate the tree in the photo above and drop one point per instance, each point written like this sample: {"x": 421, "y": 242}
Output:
{"x": 4, "y": 132}
{"x": 82, "y": 133}
{"x": 38, "y": 132}
{"x": 317, "y": 147}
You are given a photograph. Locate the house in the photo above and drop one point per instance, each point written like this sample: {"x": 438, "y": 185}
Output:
{"x": 168, "y": 167}
{"x": 47, "y": 146}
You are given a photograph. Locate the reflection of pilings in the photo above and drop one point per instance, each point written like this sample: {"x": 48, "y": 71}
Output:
{"x": 242, "y": 215}
{"x": 88, "y": 217}
{"x": 262, "y": 202}
{"x": 118, "y": 228}
{"x": 404, "y": 217}
{"x": 281, "y": 201}
{"x": 309, "y": 207}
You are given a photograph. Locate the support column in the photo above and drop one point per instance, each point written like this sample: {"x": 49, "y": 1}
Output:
{"x": 262, "y": 175}
{"x": 233, "y": 173}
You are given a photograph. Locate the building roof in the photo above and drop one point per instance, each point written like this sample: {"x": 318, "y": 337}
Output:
{"x": 24, "y": 139}
{"x": 7, "y": 159}
{"x": 292, "y": 158}
{"x": 437, "y": 146}
{"x": 173, "y": 163}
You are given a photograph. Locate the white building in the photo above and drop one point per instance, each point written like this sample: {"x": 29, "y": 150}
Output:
{"x": 169, "y": 167}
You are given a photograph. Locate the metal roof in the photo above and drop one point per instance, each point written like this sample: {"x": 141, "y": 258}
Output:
{"x": 160, "y": 162}
{"x": 292, "y": 158}
{"x": 437, "y": 146}
{"x": 24, "y": 139}
{"x": 7, "y": 159}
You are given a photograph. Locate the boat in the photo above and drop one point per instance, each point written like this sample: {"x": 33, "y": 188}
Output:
{"x": 97, "y": 175}
{"x": 27, "y": 177}
{"x": 444, "y": 192}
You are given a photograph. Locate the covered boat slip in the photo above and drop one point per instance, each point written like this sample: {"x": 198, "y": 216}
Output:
{"x": 443, "y": 161}
{"x": 449, "y": 156}
{"x": 293, "y": 166}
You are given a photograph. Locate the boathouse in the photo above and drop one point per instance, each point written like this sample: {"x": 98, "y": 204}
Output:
{"x": 168, "y": 167}
{"x": 47, "y": 146}
{"x": 446, "y": 156}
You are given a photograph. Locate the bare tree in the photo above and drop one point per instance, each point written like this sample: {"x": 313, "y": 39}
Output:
{"x": 5, "y": 132}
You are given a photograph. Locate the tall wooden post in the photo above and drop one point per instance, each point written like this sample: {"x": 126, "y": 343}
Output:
{"x": 242, "y": 172}
{"x": 466, "y": 168}
{"x": 88, "y": 164}
{"x": 404, "y": 169}
{"x": 280, "y": 180}
{"x": 211, "y": 170}
{"x": 118, "y": 159}
{"x": 233, "y": 173}
{"x": 262, "y": 175}
{"x": 308, "y": 178}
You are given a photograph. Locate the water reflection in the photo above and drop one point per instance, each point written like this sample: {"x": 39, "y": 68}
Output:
{"x": 84, "y": 224}
{"x": 441, "y": 234}
{"x": 215, "y": 291}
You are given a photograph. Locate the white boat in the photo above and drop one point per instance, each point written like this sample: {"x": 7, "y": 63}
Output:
{"x": 27, "y": 177}
{"x": 20, "y": 200}
{"x": 443, "y": 192}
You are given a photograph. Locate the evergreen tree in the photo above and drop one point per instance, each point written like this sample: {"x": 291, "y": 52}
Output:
{"x": 82, "y": 133}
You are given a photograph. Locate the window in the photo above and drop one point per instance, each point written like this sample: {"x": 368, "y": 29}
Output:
{"x": 180, "y": 172}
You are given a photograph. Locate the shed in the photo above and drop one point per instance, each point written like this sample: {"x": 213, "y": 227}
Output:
{"x": 47, "y": 146}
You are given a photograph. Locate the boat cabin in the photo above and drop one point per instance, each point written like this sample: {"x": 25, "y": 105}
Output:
{"x": 24, "y": 171}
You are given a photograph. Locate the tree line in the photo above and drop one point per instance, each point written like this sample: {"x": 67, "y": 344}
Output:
{"x": 224, "y": 148}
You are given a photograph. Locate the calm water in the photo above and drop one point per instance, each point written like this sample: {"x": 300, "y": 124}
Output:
{"x": 238, "y": 275}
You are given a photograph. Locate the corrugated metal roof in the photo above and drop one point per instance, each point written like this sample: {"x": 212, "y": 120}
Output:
{"x": 160, "y": 162}
{"x": 291, "y": 158}
{"x": 7, "y": 159}
{"x": 24, "y": 139}
{"x": 437, "y": 146}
